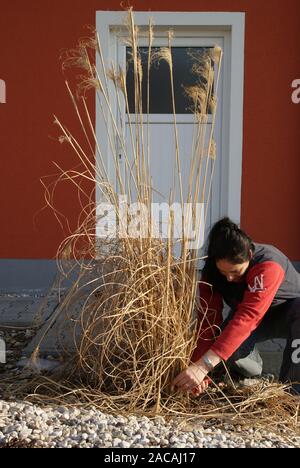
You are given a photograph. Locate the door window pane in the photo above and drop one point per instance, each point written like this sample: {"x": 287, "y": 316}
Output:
{"x": 160, "y": 87}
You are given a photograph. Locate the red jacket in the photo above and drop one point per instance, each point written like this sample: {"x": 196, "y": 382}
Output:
{"x": 270, "y": 280}
{"x": 209, "y": 318}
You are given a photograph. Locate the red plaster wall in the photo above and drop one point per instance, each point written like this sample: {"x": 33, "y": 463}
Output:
{"x": 33, "y": 32}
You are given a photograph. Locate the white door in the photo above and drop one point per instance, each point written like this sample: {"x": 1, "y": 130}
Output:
{"x": 160, "y": 123}
{"x": 191, "y": 29}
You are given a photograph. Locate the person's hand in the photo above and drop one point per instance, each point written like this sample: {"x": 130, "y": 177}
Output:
{"x": 202, "y": 387}
{"x": 190, "y": 378}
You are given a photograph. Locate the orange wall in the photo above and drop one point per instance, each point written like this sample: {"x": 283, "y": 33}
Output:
{"x": 32, "y": 34}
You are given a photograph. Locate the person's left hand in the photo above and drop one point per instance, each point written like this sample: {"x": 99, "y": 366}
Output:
{"x": 190, "y": 378}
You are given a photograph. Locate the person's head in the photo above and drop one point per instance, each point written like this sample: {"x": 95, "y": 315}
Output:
{"x": 230, "y": 248}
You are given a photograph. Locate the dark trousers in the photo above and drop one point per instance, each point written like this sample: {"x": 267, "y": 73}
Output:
{"x": 282, "y": 321}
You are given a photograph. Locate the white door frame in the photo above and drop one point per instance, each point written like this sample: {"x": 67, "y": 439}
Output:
{"x": 233, "y": 27}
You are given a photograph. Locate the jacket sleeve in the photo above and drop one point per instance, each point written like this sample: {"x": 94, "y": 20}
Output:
{"x": 209, "y": 318}
{"x": 263, "y": 281}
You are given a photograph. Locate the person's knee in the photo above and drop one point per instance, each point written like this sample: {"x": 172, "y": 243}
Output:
{"x": 246, "y": 364}
{"x": 247, "y": 367}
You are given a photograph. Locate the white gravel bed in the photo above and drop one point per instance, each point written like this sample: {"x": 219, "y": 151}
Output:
{"x": 62, "y": 427}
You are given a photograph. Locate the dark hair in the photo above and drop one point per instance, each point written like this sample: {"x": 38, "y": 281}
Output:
{"x": 227, "y": 241}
